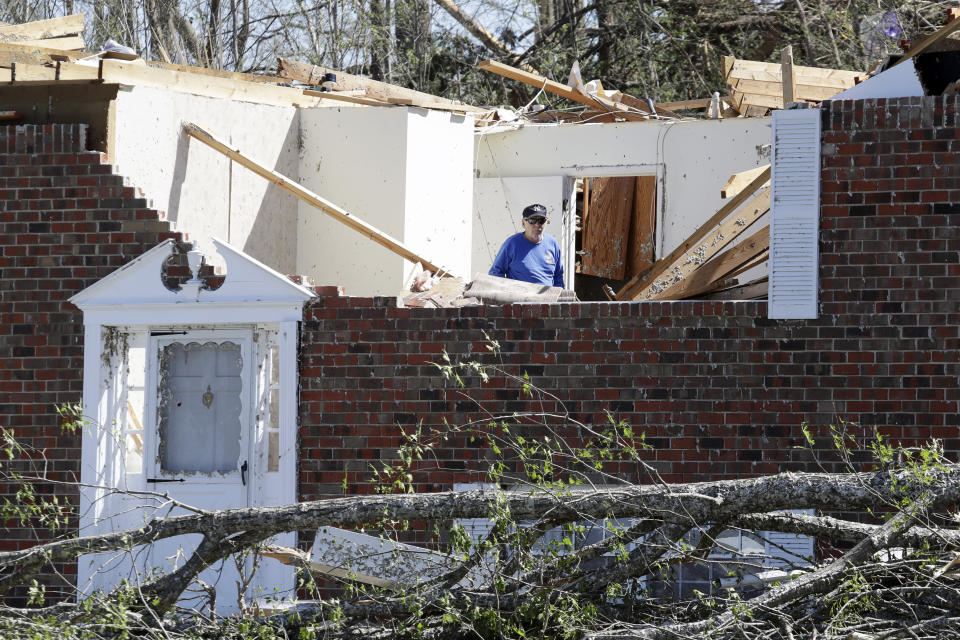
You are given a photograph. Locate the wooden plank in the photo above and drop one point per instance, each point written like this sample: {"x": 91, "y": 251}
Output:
{"x": 929, "y": 41}
{"x": 352, "y": 99}
{"x": 661, "y": 265}
{"x": 67, "y": 43}
{"x": 719, "y": 268}
{"x": 311, "y": 74}
{"x": 642, "y": 106}
{"x": 557, "y": 88}
{"x": 753, "y": 99}
{"x": 642, "y": 226}
{"x": 681, "y": 268}
{"x": 770, "y": 71}
{"x": 700, "y": 103}
{"x": 789, "y": 80}
{"x": 762, "y": 257}
{"x": 748, "y": 291}
{"x": 327, "y": 207}
{"x": 11, "y": 52}
{"x": 40, "y": 29}
{"x": 815, "y": 93}
{"x": 20, "y": 72}
{"x": 219, "y": 73}
{"x": 738, "y": 181}
{"x": 607, "y": 233}
{"x": 133, "y": 73}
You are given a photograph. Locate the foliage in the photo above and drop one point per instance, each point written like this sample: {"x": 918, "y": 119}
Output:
{"x": 599, "y": 557}
{"x": 665, "y": 50}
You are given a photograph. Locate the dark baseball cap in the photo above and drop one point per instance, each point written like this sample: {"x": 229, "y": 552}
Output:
{"x": 535, "y": 211}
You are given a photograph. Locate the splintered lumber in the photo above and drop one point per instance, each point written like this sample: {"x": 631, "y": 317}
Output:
{"x": 41, "y": 29}
{"x": 642, "y": 224}
{"x": 789, "y": 79}
{"x": 312, "y": 74}
{"x": 771, "y": 72}
{"x": 760, "y": 84}
{"x": 718, "y": 238}
{"x": 311, "y": 198}
{"x": 931, "y": 39}
{"x": 641, "y": 281}
{"x": 556, "y": 88}
{"x": 736, "y": 183}
{"x": 607, "y": 231}
{"x": 722, "y": 267}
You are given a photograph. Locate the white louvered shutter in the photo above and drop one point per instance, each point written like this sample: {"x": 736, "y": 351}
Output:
{"x": 795, "y": 214}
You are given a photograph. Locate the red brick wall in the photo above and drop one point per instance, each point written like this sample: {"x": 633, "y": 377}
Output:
{"x": 65, "y": 222}
{"x": 718, "y": 389}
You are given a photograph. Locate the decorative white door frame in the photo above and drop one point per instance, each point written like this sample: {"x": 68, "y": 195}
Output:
{"x": 123, "y": 315}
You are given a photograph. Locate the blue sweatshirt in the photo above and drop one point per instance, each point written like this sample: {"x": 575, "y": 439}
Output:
{"x": 520, "y": 259}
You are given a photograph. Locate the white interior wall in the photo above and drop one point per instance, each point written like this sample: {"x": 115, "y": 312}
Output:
{"x": 498, "y": 204}
{"x": 405, "y": 171}
{"x": 203, "y": 192}
{"x": 692, "y": 160}
{"x": 439, "y": 194}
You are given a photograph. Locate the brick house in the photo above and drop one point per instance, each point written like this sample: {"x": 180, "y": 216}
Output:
{"x": 719, "y": 388}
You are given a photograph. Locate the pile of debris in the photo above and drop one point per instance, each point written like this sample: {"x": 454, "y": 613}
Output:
{"x": 705, "y": 264}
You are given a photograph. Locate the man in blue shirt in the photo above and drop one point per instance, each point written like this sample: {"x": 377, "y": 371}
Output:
{"x": 531, "y": 256}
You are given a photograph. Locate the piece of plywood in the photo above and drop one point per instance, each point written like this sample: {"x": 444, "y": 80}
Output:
{"x": 312, "y": 74}
{"x": 681, "y": 268}
{"x": 40, "y": 29}
{"x": 607, "y": 232}
{"x": 642, "y": 226}
{"x": 639, "y": 281}
{"x": 301, "y": 192}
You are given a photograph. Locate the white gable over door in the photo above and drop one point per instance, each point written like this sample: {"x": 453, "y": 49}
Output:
{"x": 190, "y": 393}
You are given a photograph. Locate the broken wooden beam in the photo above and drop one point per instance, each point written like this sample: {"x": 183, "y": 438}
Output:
{"x": 557, "y": 88}
{"x": 720, "y": 268}
{"x": 789, "y": 82}
{"x": 697, "y": 256}
{"x": 293, "y": 187}
{"x": 638, "y": 282}
{"x": 313, "y": 74}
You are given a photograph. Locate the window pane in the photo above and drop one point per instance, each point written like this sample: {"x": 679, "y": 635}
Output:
{"x": 199, "y": 407}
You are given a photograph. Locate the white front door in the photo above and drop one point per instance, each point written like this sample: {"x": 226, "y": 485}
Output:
{"x": 199, "y": 443}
